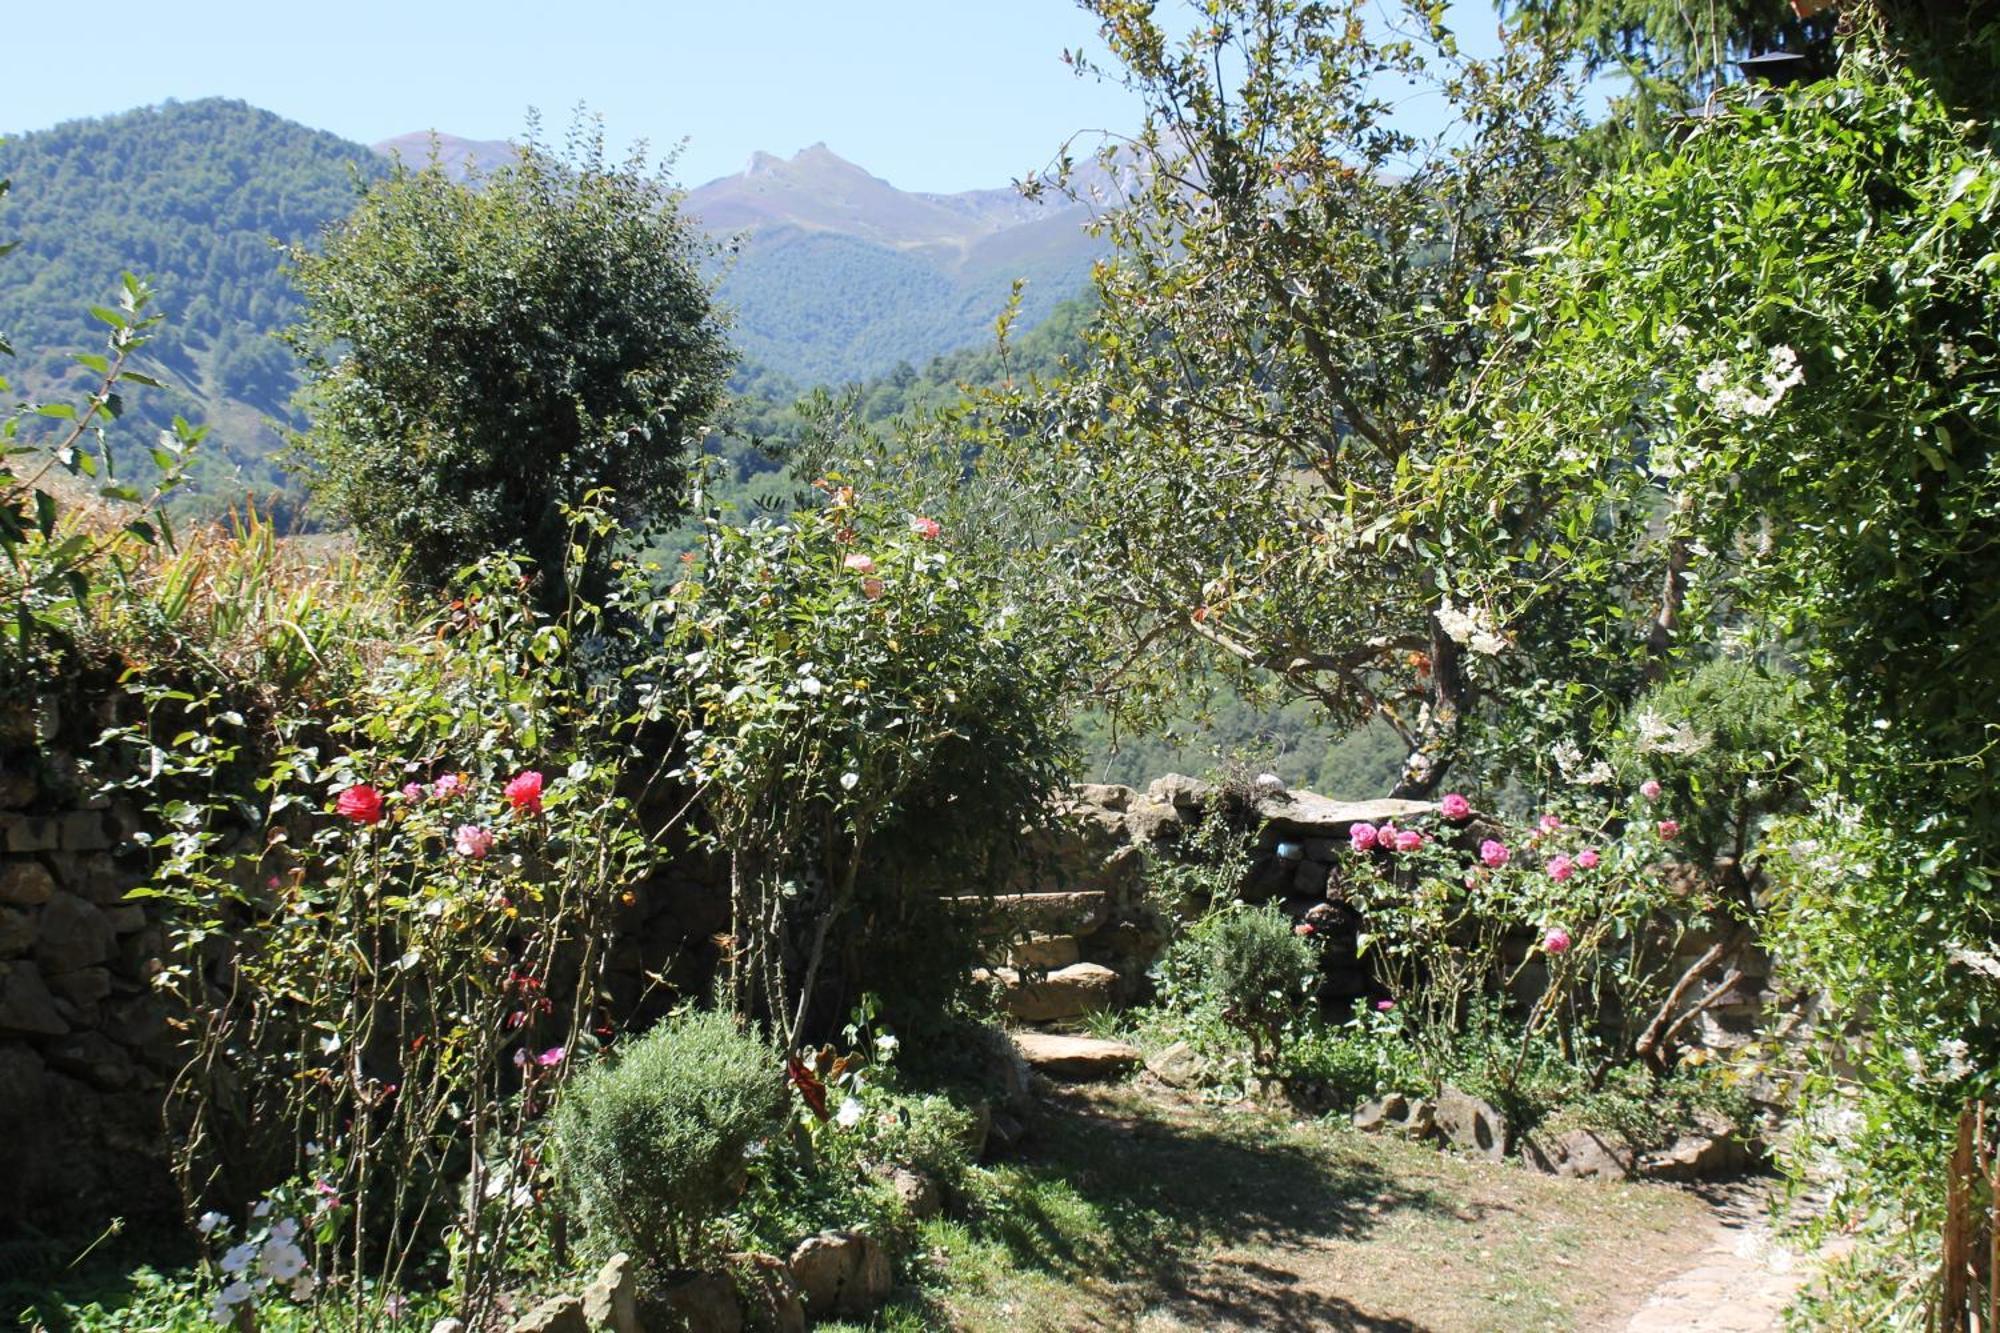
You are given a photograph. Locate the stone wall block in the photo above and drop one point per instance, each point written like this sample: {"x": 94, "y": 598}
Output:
{"x": 26, "y": 883}
{"x": 26, "y": 1007}
{"x": 21, "y": 834}
{"x": 84, "y": 831}
{"x": 17, "y": 932}
{"x": 74, "y": 935}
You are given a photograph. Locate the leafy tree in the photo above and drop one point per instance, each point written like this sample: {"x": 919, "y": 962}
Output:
{"x": 1768, "y": 356}
{"x": 482, "y": 356}
{"x": 1294, "y": 297}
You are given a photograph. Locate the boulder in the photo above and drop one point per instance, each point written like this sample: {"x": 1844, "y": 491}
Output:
{"x": 611, "y": 1301}
{"x": 1709, "y": 1152}
{"x": 1067, "y": 992}
{"x": 1188, "y": 796}
{"x": 1004, "y": 1135}
{"x": 919, "y": 1194}
{"x": 770, "y": 1298}
{"x": 1105, "y": 795}
{"x": 841, "y": 1272}
{"x": 1381, "y": 1113}
{"x": 1044, "y": 953}
{"x": 448, "y": 1324}
{"x": 558, "y": 1314}
{"x": 695, "y": 1303}
{"x": 1471, "y": 1125}
{"x": 1084, "y": 1059}
{"x": 1177, "y": 1066}
{"x": 1580, "y": 1154}
{"x": 1413, "y": 1117}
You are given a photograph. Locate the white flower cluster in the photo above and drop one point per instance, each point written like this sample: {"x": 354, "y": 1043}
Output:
{"x": 1954, "y": 1067}
{"x": 259, "y": 1265}
{"x": 1472, "y": 627}
{"x": 1569, "y": 760}
{"x": 1736, "y": 401}
{"x": 1659, "y": 736}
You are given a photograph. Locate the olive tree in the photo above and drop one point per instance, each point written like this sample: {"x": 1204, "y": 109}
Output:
{"x": 483, "y": 354}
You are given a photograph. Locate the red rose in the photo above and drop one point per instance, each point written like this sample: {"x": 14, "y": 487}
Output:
{"x": 525, "y": 792}
{"x": 360, "y": 803}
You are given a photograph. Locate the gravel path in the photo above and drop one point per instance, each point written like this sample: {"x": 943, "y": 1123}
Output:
{"x": 1740, "y": 1284}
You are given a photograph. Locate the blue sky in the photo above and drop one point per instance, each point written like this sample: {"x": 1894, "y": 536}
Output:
{"x": 931, "y": 94}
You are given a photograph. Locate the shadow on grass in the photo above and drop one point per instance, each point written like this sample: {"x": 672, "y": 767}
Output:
{"x": 1119, "y": 1195}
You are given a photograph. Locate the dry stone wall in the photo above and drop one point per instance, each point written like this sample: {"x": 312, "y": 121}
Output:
{"x": 86, "y": 1046}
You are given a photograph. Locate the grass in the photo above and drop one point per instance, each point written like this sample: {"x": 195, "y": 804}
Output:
{"x": 1136, "y": 1208}
{"x": 1139, "y": 1208}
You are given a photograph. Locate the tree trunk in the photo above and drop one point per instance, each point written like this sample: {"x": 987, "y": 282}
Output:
{"x": 1434, "y": 745}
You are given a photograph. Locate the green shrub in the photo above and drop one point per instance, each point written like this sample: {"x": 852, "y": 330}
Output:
{"x": 1245, "y": 965}
{"x": 652, "y": 1144}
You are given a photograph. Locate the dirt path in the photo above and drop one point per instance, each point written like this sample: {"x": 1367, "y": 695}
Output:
{"x": 1740, "y": 1284}
{"x": 1136, "y": 1208}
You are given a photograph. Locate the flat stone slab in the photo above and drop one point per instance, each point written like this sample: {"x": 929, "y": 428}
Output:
{"x": 1076, "y": 913}
{"x": 1085, "y": 1059}
{"x": 1308, "y": 813}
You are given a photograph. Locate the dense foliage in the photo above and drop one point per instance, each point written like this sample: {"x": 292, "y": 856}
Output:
{"x": 866, "y": 721}
{"x": 191, "y": 197}
{"x": 481, "y": 360}
{"x": 1281, "y": 324}
{"x": 1768, "y": 356}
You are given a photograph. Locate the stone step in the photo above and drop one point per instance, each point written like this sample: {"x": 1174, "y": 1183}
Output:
{"x": 1067, "y": 992}
{"x": 1044, "y": 953}
{"x": 1045, "y": 913}
{"x": 1082, "y": 1059}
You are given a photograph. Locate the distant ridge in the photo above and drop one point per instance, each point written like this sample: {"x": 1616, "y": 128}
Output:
{"x": 460, "y": 157}
{"x": 839, "y": 275}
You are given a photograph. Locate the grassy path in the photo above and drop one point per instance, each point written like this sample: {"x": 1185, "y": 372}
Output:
{"x": 1137, "y": 1208}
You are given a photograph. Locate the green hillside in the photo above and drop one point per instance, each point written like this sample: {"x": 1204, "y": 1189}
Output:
{"x": 190, "y": 196}
{"x": 834, "y": 309}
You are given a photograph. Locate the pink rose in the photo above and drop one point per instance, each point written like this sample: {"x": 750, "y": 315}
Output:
{"x": 552, "y": 1056}
{"x": 1556, "y": 941}
{"x": 859, "y": 563}
{"x": 1303, "y": 928}
{"x": 524, "y": 793}
{"x": 1587, "y": 858}
{"x": 1455, "y": 806}
{"x": 1669, "y": 827}
{"x": 1560, "y": 867}
{"x": 449, "y": 784}
{"x": 1650, "y": 789}
{"x": 473, "y": 841}
{"x": 1385, "y": 837}
{"x": 1549, "y": 824}
{"x": 413, "y": 792}
{"x": 360, "y": 803}
{"x": 1494, "y": 854}
{"x": 927, "y": 528}
{"x": 1408, "y": 840}
{"x": 1384, "y": 1006}
{"x": 1361, "y": 837}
